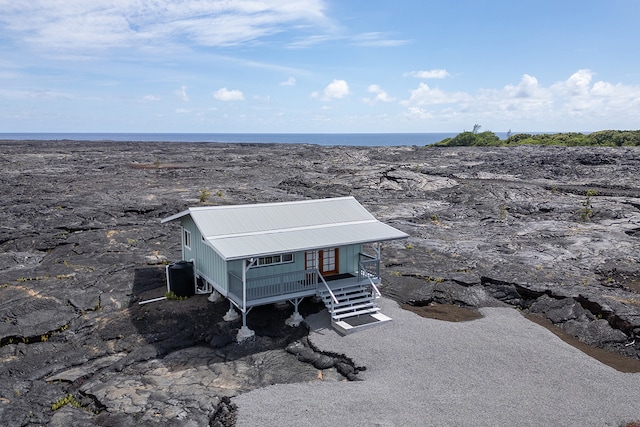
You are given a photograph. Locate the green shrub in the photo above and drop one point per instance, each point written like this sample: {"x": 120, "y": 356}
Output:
{"x": 204, "y": 195}
{"x": 587, "y": 211}
{"x": 67, "y": 400}
{"x": 607, "y": 138}
{"x": 171, "y": 296}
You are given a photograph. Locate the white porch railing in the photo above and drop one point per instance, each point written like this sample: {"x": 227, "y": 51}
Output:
{"x": 297, "y": 282}
{"x": 273, "y": 285}
{"x": 369, "y": 267}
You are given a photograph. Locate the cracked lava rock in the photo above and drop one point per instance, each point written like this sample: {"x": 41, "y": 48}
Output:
{"x": 551, "y": 231}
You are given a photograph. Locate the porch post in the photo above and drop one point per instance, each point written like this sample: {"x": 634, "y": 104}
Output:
{"x": 244, "y": 285}
{"x": 295, "y": 319}
{"x": 244, "y": 331}
{"x": 378, "y": 263}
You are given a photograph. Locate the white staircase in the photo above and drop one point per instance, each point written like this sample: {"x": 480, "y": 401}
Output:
{"x": 356, "y": 307}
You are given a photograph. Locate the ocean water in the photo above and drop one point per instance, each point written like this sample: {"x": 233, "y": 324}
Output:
{"x": 351, "y": 139}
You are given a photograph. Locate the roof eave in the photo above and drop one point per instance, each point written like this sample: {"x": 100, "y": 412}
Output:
{"x": 304, "y": 249}
{"x": 176, "y": 216}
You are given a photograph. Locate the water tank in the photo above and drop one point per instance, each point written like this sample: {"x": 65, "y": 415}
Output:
{"x": 181, "y": 279}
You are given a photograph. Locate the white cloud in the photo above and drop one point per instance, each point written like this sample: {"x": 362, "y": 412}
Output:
{"x": 49, "y": 94}
{"x": 291, "y": 81}
{"x": 182, "y": 94}
{"x": 574, "y": 104}
{"x": 376, "y": 39}
{"x": 417, "y": 113}
{"x": 151, "y": 98}
{"x": 313, "y": 40}
{"x": 89, "y": 25}
{"x": 436, "y": 73}
{"x": 528, "y": 87}
{"x": 371, "y": 39}
{"x": 578, "y": 84}
{"x": 526, "y": 97}
{"x": 425, "y": 95}
{"x": 225, "y": 94}
{"x": 335, "y": 90}
{"x": 601, "y": 99}
{"x": 380, "y": 95}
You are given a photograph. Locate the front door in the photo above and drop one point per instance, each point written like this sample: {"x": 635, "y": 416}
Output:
{"x": 328, "y": 261}
{"x": 325, "y": 260}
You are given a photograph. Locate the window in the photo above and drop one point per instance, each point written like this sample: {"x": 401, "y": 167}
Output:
{"x": 274, "y": 259}
{"x": 186, "y": 239}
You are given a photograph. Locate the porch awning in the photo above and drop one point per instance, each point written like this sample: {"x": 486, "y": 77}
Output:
{"x": 246, "y": 231}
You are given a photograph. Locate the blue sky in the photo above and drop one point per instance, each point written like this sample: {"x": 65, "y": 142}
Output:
{"x": 318, "y": 66}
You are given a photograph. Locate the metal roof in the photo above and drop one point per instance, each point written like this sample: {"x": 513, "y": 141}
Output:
{"x": 245, "y": 231}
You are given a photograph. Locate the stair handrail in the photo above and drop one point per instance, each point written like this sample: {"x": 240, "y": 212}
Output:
{"x": 363, "y": 271}
{"x": 367, "y": 255}
{"x": 375, "y": 288}
{"x": 373, "y": 285}
{"x": 333, "y": 297}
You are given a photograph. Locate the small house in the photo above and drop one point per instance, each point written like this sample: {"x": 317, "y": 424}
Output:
{"x": 259, "y": 254}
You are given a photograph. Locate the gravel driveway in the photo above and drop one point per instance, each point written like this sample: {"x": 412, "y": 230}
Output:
{"x": 501, "y": 370}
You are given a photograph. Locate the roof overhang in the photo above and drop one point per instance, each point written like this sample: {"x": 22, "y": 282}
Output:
{"x": 249, "y": 233}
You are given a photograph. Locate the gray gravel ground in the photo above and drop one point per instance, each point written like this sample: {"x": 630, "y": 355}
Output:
{"x": 501, "y": 370}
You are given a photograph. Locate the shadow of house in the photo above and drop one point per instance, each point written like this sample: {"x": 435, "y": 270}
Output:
{"x": 167, "y": 325}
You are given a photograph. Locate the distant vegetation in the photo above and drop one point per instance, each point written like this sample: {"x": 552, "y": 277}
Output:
{"x": 609, "y": 138}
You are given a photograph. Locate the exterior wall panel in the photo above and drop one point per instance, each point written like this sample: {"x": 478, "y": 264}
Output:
{"x": 208, "y": 263}
{"x": 215, "y": 270}
{"x": 349, "y": 258}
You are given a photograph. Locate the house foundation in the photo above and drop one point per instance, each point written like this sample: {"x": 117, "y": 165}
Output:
{"x": 232, "y": 314}
{"x": 295, "y": 319}
{"x": 244, "y": 333}
{"x": 215, "y": 296}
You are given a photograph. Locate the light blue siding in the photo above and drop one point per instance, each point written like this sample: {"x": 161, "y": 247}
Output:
{"x": 209, "y": 265}
{"x": 268, "y": 270}
{"x": 348, "y": 263}
{"x": 349, "y": 256}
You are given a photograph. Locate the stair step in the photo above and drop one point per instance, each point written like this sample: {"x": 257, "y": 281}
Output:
{"x": 355, "y": 313}
{"x": 342, "y": 289}
{"x": 356, "y": 307}
{"x": 350, "y": 303}
{"x": 362, "y": 304}
{"x": 340, "y": 294}
{"x": 342, "y": 298}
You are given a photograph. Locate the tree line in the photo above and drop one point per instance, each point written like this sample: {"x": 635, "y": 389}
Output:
{"x": 609, "y": 138}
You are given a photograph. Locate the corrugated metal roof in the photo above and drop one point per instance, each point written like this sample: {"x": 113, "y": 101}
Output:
{"x": 244, "y": 231}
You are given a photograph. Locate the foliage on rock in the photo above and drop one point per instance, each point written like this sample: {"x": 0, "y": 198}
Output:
{"x": 609, "y": 138}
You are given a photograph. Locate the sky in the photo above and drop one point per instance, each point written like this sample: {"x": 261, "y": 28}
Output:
{"x": 319, "y": 66}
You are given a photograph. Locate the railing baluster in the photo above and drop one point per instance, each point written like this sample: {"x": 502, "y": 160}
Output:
{"x": 273, "y": 285}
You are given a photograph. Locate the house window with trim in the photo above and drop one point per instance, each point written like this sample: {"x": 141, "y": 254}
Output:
{"x": 186, "y": 238}
{"x": 274, "y": 259}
